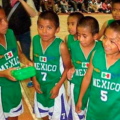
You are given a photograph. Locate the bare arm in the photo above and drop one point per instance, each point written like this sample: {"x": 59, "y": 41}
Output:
{"x": 102, "y": 30}
{"x": 66, "y": 61}
{"x": 67, "y": 65}
{"x": 66, "y": 38}
{"x": 85, "y": 84}
{"x": 28, "y": 8}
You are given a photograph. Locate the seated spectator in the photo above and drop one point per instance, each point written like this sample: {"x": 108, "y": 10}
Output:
{"x": 92, "y": 6}
{"x": 109, "y": 5}
{"x": 79, "y": 4}
{"x": 99, "y": 5}
{"x": 50, "y": 5}
{"x": 105, "y": 7}
{"x": 65, "y": 7}
{"x": 73, "y": 4}
{"x": 57, "y": 6}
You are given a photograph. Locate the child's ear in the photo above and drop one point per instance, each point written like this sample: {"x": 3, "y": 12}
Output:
{"x": 96, "y": 36}
{"x": 58, "y": 29}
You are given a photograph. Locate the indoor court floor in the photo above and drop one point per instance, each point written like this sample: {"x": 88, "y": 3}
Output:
{"x": 28, "y": 93}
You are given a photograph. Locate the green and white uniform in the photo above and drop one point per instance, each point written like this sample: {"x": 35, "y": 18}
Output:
{"x": 49, "y": 68}
{"x": 70, "y": 39}
{"x": 104, "y": 102}
{"x": 10, "y": 91}
{"x": 80, "y": 62}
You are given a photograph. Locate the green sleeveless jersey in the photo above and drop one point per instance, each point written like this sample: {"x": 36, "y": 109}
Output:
{"x": 70, "y": 40}
{"x": 47, "y": 63}
{"x": 8, "y": 57}
{"x": 110, "y": 21}
{"x": 104, "y": 101}
{"x": 81, "y": 63}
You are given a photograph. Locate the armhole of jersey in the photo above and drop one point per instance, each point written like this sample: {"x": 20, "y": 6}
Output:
{"x": 59, "y": 48}
{"x": 93, "y": 57}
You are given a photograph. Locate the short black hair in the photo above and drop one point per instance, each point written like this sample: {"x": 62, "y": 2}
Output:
{"x": 90, "y": 22}
{"x": 77, "y": 15}
{"x": 50, "y": 15}
{"x": 115, "y": 26}
{"x": 115, "y": 1}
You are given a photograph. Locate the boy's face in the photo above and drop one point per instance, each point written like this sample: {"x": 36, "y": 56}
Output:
{"x": 3, "y": 22}
{"x": 72, "y": 25}
{"x": 116, "y": 11}
{"x": 109, "y": 45}
{"x": 47, "y": 29}
{"x": 85, "y": 36}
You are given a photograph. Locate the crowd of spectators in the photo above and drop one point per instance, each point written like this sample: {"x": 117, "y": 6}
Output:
{"x": 67, "y": 6}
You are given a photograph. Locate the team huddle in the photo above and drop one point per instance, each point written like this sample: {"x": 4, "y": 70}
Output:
{"x": 88, "y": 63}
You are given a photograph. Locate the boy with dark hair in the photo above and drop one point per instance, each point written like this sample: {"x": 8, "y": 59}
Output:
{"x": 81, "y": 52}
{"x": 10, "y": 58}
{"x": 50, "y": 53}
{"x": 103, "y": 75}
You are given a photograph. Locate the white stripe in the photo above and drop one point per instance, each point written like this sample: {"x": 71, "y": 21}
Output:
{"x": 71, "y": 101}
{"x": 1, "y": 109}
{"x": 14, "y": 114}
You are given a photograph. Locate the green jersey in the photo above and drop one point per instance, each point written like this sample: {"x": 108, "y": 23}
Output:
{"x": 8, "y": 56}
{"x": 81, "y": 63}
{"x": 47, "y": 63}
{"x": 110, "y": 21}
{"x": 104, "y": 103}
{"x": 70, "y": 40}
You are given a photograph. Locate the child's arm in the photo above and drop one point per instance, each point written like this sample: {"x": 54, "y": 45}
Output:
{"x": 70, "y": 73}
{"x": 23, "y": 58}
{"x": 7, "y": 74}
{"x": 102, "y": 30}
{"x": 66, "y": 37}
{"x": 85, "y": 83}
{"x": 36, "y": 85}
{"x": 67, "y": 65}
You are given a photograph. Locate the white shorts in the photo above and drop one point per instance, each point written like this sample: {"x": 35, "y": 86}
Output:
{"x": 58, "y": 112}
{"x": 15, "y": 111}
{"x": 72, "y": 115}
{"x": 2, "y": 117}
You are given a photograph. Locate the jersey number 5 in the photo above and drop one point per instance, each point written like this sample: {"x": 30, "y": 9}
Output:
{"x": 104, "y": 95}
{"x": 44, "y": 76}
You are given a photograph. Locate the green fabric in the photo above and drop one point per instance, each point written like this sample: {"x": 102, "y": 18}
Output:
{"x": 11, "y": 97}
{"x": 110, "y": 21}
{"x": 70, "y": 40}
{"x": 47, "y": 66}
{"x": 81, "y": 64}
{"x": 104, "y": 103}
{"x": 10, "y": 91}
{"x": 10, "y": 57}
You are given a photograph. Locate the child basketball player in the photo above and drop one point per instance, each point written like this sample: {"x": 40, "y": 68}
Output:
{"x": 103, "y": 74}
{"x": 72, "y": 22}
{"x": 81, "y": 52}
{"x": 49, "y": 52}
{"x": 10, "y": 58}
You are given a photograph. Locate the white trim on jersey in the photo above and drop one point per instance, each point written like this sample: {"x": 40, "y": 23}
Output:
{"x": 2, "y": 117}
{"x": 72, "y": 114}
{"x": 15, "y": 111}
{"x": 57, "y": 112}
